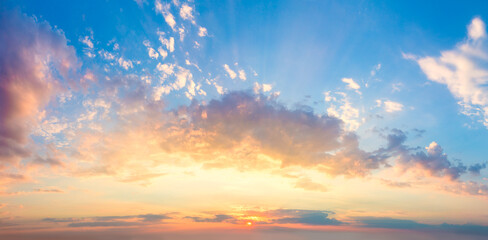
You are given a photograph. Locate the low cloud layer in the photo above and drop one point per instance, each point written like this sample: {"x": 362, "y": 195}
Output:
{"x": 110, "y": 221}
{"x": 392, "y": 223}
{"x": 277, "y": 216}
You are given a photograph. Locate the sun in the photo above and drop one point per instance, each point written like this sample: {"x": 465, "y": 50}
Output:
{"x": 249, "y": 223}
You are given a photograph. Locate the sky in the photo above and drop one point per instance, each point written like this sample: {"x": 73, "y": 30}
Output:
{"x": 243, "y": 119}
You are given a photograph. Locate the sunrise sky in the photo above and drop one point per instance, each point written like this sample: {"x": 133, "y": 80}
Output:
{"x": 243, "y": 119}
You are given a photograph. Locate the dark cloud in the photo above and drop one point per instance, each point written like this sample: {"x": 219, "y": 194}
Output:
{"x": 60, "y": 220}
{"x": 217, "y": 218}
{"x": 434, "y": 160}
{"x": 383, "y": 222}
{"x": 278, "y": 216}
{"x": 143, "y": 217}
{"x": 309, "y": 218}
{"x": 476, "y": 168}
{"x": 53, "y": 162}
{"x": 391, "y": 223}
{"x": 104, "y": 224}
{"x": 48, "y": 190}
{"x": 111, "y": 221}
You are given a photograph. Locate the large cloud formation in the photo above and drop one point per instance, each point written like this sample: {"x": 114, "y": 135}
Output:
{"x": 241, "y": 130}
{"x": 34, "y": 58}
{"x": 249, "y": 131}
{"x": 243, "y": 126}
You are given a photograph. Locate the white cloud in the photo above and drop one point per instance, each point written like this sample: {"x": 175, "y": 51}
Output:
{"x": 242, "y": 75}
{"x": 229, "y": 71}
{"x": 391, "y": 106}
{"x": 126, "y": 64}
{"x": 202, "y": 32}
{"x": 340, "y": 107}
{"x": 181, "y": 31}
{"x": 477, "y": 29}
{"x": 461, "y": 70}
{"x": 168, "y": 43}
{"x": 351, "y": 84}
{"x": 159, "y": 91}
{"x": 262, "y": 87}
{"x": 191, "y": 86}
{"x": 220, "y": 90}
{"x": 182, "y": 76}
{"x": 164, "y": 10}
{"x": 153, "y": 53}
{"x": 146, "y": 43}
{"x": 168, "y": 69}
{"x": 107, "y": 55}
{"x": 87, "y": 41}
{"x": 186, "y": 13}
{"x": 88, "y": 50}
{"x": 375, "y": 69}
{"x": 162, "y": 52}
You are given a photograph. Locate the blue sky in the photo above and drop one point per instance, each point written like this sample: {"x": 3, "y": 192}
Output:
{"x": 103, "y": 99}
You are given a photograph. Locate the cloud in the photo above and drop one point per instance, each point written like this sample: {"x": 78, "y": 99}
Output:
{"x": 126, "y": 64}
{"x": 277, "y": 216}
{"x": 87, "y": 41}
{"x": 103, "y": 224}
{"x": 202, "y": 32}
{"x": 463, "y": 71}
{"x": 351, "y": 84}
{"x": 468, "y": 187}
{"x": 434, "y": 161}
{"x": 308, "y": 218}
{"x": 255, "y": 125}
{"x": 476, "y": 168}
{"x": 35, "y": 64}
{"x": 477, "y": 29}
{"x": 241, "y": 130}
{"x": 182, "y": 77}
{"x": 164, "y": 9}
{"x": 242, "y": 75}
{"x": 375, "y": 69}
{"x": 307, "y": 184}
{"x": 186, "y": 13}
{"x": 48, "y": 190}
{"x": 341, "y": 107}
{"x": 384, "y": 222}
{"x": 392, "y": 223}
{"x": 229, "y": 71}
{"x": 390, "y": 106}
{"x": 216, "y": 218}
{"x": 152, "y": 53}
{"x": 168, "y": 43}
{"x": 111, "y": 221}
{"x": 262, "y": 87}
